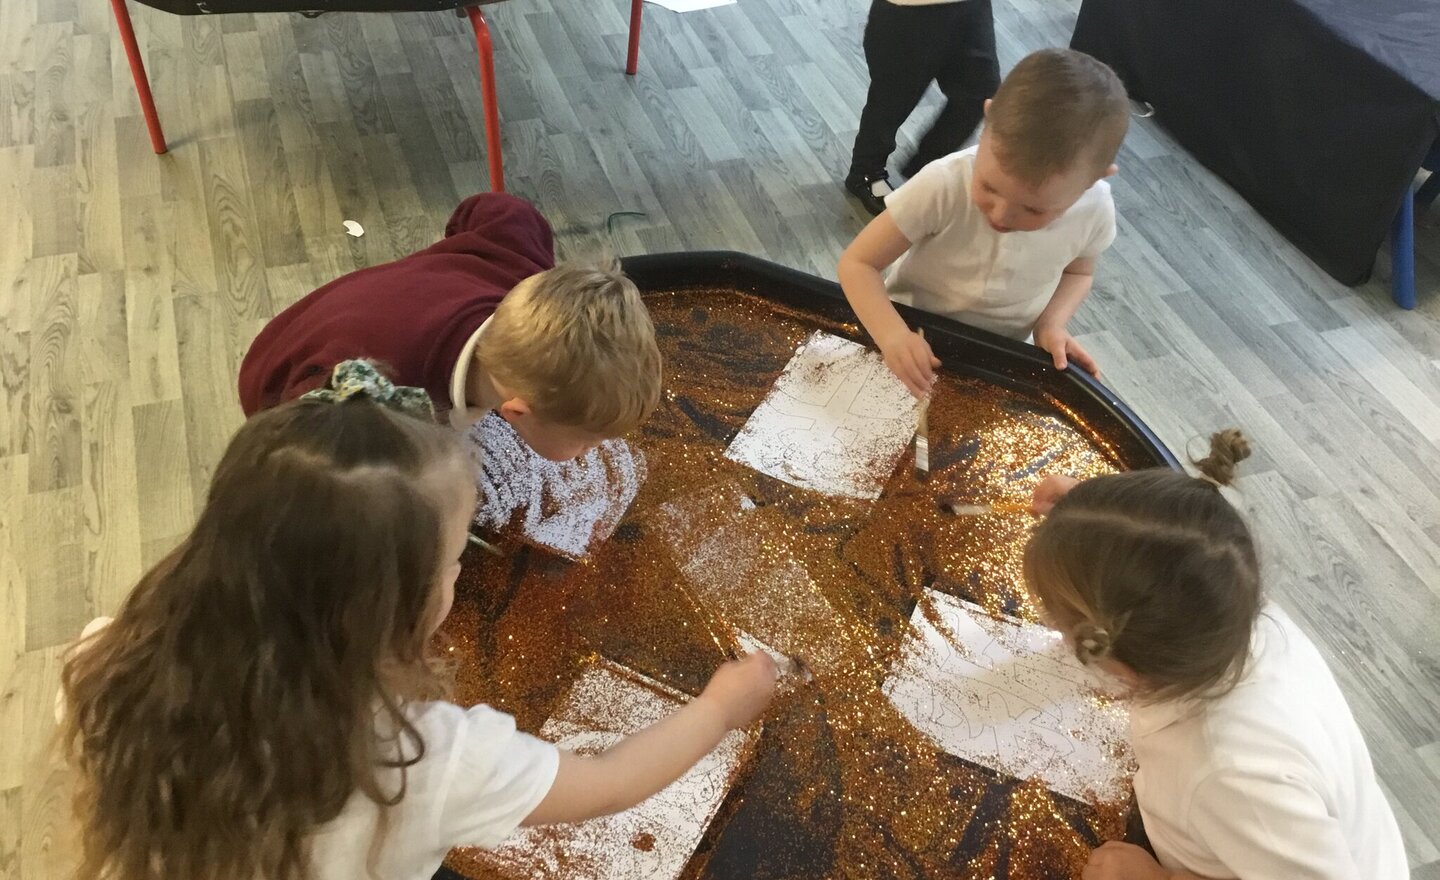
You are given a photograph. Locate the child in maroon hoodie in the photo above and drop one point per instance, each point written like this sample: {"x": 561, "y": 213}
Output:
{"x": 481, "y": 320}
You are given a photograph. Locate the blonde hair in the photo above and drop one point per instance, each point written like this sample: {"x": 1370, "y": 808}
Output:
{"x": 576, "y": 343}
{"x": 1056, "y": 108}
{"x": 1155, "y": 569}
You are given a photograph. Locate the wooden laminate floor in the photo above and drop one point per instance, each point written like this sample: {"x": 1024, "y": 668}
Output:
{"x": 131, "y": 284}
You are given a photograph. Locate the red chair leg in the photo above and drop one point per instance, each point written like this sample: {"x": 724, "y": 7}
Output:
{"x": 137, "y": 71}
{"x": 487, "y": 92}
{"x": 632, "y": 61}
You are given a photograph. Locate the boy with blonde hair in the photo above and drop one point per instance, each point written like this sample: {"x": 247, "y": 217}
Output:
{"x": 1003, "y": 235}
{"x": 483, "y": 320}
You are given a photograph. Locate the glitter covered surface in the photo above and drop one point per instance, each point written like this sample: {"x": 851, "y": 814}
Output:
{"x": 840, "y": 784}
{"x": 606, "y": 704}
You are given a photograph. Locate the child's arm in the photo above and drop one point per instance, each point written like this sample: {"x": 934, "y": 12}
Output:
{"x": 906, "y": 354}
{"x": 646, "y": 762}
{"x": 1051, "y": 331}
{"x": 1125, "y": 861}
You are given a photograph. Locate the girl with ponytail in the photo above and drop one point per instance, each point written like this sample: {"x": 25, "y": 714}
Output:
{"x": 1251, "y": 765}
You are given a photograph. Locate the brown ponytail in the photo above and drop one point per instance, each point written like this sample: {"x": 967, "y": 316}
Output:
{"x": 1227, "y": 449}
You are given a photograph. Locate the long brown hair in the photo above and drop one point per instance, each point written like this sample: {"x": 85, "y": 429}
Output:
{"x": 1155, "y": 569}
{"x": 236, "y": 701}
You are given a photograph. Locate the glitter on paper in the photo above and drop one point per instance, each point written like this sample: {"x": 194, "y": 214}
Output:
{"x": 840, "y": 784}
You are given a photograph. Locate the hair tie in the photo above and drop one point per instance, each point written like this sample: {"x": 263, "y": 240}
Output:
{"x": 359, "y": 377}
{"x": 1093, "y": 642}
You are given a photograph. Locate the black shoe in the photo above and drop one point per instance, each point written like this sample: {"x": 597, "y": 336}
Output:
{"x": 870, "y": 189}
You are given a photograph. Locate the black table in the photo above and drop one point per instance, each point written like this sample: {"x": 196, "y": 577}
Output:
{"x": 1318, "y": 112}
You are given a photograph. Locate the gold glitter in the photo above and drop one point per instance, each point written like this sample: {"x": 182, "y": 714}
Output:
{"x": 841, "y": 785}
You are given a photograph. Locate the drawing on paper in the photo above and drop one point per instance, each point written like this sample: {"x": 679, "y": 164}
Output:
{"x": 568, "y": 506}
{"x": 1008, "y": 695}
{"x": 652, "y": 841}
{"x": 836, "y": 421}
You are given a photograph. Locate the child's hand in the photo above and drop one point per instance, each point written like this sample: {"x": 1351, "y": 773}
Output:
{"x": 909, "y": 357}
{"x": 1123, "y": 861}
{"x": 742, "y": 689}
{"x": 1050, "y": 491}
{"x": 1064, "y": 349}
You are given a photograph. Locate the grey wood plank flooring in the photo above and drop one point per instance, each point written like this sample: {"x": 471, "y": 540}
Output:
{"x": 130, "y": 286}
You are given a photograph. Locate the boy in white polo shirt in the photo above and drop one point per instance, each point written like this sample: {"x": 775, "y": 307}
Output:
{"x": 1004, "y": 235}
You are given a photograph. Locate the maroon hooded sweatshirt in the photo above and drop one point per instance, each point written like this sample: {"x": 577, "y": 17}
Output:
{"x": 413, "y": 315}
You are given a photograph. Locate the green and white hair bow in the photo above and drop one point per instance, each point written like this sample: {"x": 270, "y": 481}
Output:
{"x": 360, "y": 378}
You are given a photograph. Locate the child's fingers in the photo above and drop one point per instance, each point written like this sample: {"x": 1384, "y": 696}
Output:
{"x": 929, "y": 353}
{"x": 1083, "y": 359}
{"x": 925, "y": 363}
{"x": 762, "y": 664}
{"x": 915, "y": 376}
{"x": 917, "y": 385}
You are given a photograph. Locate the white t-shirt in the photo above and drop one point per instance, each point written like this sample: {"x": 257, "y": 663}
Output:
{"x": 478, "y": 780}
{"x": 1272, "y": 780}
{"x": 959, "y": 267}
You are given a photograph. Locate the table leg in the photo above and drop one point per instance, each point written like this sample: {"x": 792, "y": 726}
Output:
{"x": 137, "y": 72}
{"x": 1402, "y": 253}
{"x": 487, "y": 91}
{"x": 632, "y": 61}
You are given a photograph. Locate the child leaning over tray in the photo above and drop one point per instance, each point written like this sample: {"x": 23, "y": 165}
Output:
{"x": 1003, "y": 235}
{"x": 482, "y": 320}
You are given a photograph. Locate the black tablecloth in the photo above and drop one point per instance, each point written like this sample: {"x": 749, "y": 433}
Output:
{"x": 1318, "y": 112}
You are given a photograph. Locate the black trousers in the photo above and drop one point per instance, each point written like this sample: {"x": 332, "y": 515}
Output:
{"x": 908, "y": 47}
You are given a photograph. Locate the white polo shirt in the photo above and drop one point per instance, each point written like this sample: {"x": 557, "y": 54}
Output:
{"x": 1271, "y": 781}
{"x": 462, "y": 414}
{"x": 959, "y": 267}
{"x": 478, "y": 780}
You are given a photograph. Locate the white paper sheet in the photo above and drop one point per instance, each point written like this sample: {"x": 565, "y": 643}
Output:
{"x": 652, "y": 841}
{"x": 836, "y": 421}
{"x": 690, "y": 5}
{"x": 1008, "y": 695}
{"x": 565, "y": 506}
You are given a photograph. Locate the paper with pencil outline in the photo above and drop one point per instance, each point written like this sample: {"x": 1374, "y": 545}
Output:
{"x": 1007, "y": 694}
{"x": 651, "y": 841}
{"x": 836, "y": 421}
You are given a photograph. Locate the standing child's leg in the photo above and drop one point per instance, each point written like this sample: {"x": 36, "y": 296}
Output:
{"x": 970, "y": 74}
{"x": 901, "y": 51}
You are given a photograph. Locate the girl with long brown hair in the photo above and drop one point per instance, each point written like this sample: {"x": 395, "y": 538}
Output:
{"x": 265, "y": 704}
{"x": 1250, "y": 763}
